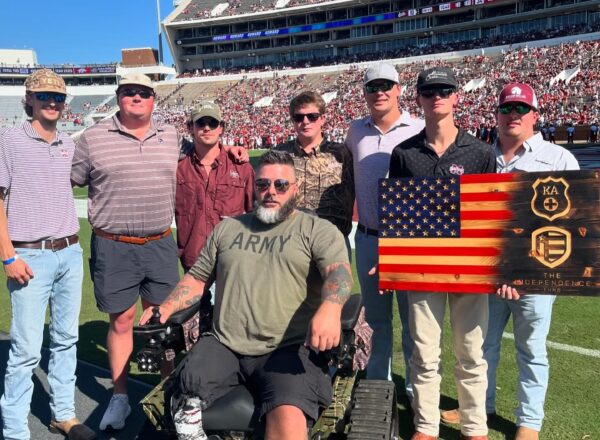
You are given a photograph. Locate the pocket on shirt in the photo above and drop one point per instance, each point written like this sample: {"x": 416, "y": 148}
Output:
{"x": 229, "y": 199}
{"x": 185, "y": 198}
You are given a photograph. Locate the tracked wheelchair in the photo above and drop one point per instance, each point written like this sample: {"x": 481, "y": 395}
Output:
{"x": 360, "y": 410}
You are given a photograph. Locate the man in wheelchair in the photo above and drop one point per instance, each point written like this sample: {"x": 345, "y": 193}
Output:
{"x": 282, "y": 279}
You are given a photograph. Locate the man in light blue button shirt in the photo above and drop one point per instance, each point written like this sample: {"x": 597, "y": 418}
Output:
{"x": 518, "y": 149}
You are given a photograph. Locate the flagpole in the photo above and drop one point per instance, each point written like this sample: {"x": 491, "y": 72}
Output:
{"x": 160, "y": 49}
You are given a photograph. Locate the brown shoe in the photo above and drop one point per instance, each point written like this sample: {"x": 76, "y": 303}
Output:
{"x": 524, "y": 433}
{"x": 420, "y": 436}
{"x": 473, "y": 437}
{"x": 73, "y": 429}
{"x": 452, "y": 416}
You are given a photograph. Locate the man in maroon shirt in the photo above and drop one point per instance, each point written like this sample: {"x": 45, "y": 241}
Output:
{"x": 210, "y": 186}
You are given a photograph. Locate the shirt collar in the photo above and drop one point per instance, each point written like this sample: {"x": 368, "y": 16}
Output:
{"x": 300, "y": 151}
{"x": 532, "y": 144}
{"x": 32, "y": 133}
{"x": 118, "y": 126}
{"x": 404, "y": 120}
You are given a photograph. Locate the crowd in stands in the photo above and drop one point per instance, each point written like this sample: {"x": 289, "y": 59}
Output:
{"x": 574, "y": 103}
{"x": 407, "y": 51}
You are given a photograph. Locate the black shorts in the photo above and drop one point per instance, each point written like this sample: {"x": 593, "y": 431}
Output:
{"x": 293, "y": 375}
{"x": 122, "y": 272}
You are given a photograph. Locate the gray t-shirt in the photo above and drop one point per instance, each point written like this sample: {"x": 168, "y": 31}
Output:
{"x": 268, "y": 278}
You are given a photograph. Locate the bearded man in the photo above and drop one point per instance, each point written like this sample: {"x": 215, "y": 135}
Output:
{"x": 282, "y": 278}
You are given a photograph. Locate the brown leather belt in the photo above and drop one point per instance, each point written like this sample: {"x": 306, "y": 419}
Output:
{"x": 53, "y": 245}
{"x": 129, "y": 239}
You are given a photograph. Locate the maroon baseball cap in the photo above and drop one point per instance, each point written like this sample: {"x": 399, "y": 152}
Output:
{"x": 518, "y": 92}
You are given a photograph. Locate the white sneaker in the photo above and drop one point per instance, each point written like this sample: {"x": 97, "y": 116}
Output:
{"x": 116, "y": 413}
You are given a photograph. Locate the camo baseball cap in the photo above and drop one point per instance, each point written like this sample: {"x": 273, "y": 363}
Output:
{"x": 45, "y": 80}
{"x": 207, "y": 108}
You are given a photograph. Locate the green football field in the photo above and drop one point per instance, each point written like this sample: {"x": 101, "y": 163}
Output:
{"x": 572, "y": 404}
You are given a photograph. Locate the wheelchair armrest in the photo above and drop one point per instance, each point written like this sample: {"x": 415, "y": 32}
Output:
{"x": 184, "y": 315}
{"x": 351, "y": 311}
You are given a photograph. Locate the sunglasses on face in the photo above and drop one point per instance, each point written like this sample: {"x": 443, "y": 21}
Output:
{"x": 381, "y": 87}
{"x": 312, "y": 117}
{"x": 521, "y": 109}
{"x": 203, "y": 122}
{"x": 281, "y": 185}
{"x": 130, "y": 93}
{"x": 444, "y": 92}
{"x": 46, "y": 96}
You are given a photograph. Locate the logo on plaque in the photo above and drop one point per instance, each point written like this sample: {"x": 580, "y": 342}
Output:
{"x": 551, "y": 246}
{"x": 550, "y": 199}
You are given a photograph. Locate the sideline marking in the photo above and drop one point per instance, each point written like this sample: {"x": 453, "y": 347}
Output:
{"x": 563, "y": 347}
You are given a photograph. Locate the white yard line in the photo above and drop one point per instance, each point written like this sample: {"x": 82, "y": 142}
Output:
{"x": 564, "y": 347}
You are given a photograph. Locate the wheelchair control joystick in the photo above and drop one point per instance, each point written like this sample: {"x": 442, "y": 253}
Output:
{"x": 155, "y": 318}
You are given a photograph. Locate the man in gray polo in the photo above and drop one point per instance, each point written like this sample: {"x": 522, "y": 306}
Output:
{"x": 42, "y": 259}
{"x": 371, "y": 141}
{"x": 129, "y": 163}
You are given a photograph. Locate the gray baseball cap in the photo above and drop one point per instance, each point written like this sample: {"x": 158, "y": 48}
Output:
{"x": 381, "y": 71}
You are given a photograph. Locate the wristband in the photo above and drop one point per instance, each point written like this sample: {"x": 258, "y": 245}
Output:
{"x": 10, "y": 260}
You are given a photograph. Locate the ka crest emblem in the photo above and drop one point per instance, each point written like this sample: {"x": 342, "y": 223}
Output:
{"x": 551, "y": 198}
{"x": 551, "y": 246}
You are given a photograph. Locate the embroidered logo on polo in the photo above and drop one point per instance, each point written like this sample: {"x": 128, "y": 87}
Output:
{"x": 457, "y": 169}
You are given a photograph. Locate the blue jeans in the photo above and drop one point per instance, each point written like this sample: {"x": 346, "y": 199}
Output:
{"x": 532, "y": 315}
{"x": 378, "y": 313}
{"x": 57, "y": 282}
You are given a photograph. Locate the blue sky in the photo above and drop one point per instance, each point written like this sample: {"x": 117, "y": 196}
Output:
{"x": 81, "y": 31}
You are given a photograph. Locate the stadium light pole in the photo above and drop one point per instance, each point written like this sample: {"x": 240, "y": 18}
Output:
{"x": 160, "y": 49}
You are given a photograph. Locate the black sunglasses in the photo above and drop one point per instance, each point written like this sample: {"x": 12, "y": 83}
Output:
{"x": 281, "y": 185}
{"x": 442, "y": 92}
{"x": 46, "y": 96}
{"x": 130, "y": 93}
{"x": 211, "y": 122}
{"x": 521, "y": 109}
{"x": 382, "y": 87}
{"x": 312, "y": 117}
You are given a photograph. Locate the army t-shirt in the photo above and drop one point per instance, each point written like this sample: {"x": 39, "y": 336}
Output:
{"x": 268, "y": 278}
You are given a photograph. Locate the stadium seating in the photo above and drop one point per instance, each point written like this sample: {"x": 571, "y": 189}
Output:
{"x": 11, "y": 111}
{"x": 562, "y": 103}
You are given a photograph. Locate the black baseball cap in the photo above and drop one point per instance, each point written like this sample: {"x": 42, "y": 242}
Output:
{"x": 436, "y": 77}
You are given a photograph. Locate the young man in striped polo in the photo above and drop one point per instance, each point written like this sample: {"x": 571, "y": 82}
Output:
{"x": 42, "y": 258}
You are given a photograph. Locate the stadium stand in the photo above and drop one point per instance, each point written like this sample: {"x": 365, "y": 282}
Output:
{"x": 572, "y": 101}
{"x": 11, "y": 111}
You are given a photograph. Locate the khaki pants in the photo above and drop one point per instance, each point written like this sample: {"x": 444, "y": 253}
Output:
{"x": 469, "y": 320}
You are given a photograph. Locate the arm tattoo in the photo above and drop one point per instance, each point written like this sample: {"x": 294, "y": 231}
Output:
{"x": 337, "y": 286}
{"x": 181, "y": 298}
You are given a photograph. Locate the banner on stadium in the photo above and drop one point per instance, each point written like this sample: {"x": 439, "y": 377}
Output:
{"x": 79, "y": 70}
{"x": 539, "y": 232}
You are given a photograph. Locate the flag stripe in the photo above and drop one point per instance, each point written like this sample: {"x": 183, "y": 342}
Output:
{"x": 481, "y": 233}
{"x": 484, "y": 197}
{"x": 449, "y": 260}
{"x": 486, "y": 178}
{"x": 486, "y": 215}
{"x": 439, "y": 268}
{"x": 440, "y": 242}
{"x": 449, "y": 250}
{"x": 438, "y": 287}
